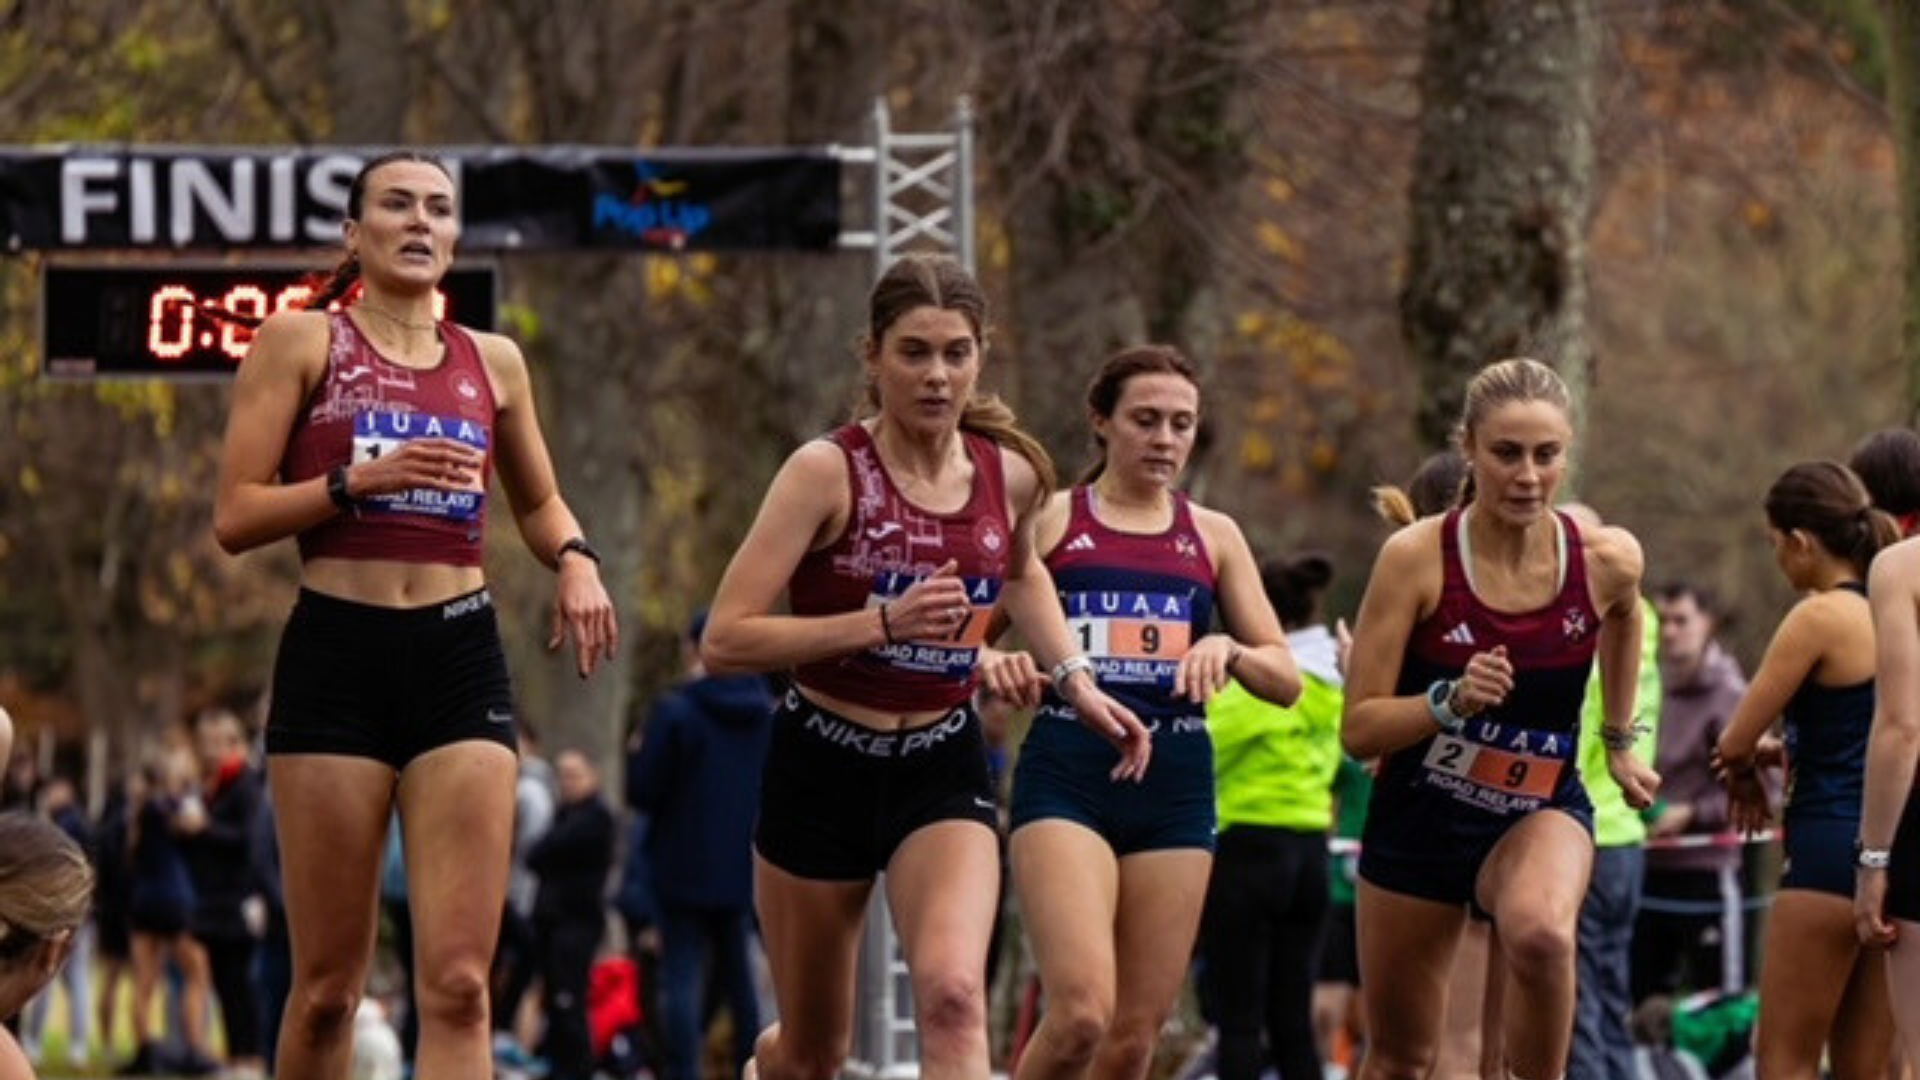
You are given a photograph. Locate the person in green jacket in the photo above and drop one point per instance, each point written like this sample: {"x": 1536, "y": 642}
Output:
{"x": 1268, "y": 898}
{"x": 1603, "y": 996}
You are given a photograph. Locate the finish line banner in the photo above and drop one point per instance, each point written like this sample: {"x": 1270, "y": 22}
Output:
{"x": 553, "y": 198}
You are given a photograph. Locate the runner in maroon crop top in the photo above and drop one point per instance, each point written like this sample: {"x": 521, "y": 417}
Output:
{"x": 368, "y": 434}
{"x": 893, "y": 539}
{"x": 1475, "y": 803}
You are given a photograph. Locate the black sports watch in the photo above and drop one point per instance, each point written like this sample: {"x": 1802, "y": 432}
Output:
{"x": 337, "y": 489}
{"x": 579, "y": 546}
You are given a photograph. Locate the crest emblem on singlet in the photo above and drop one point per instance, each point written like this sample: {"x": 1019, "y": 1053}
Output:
{"x": 464, "y": 385}
{"x": 1574, "y": 624}
{"x": 988, "y": 535}
{"x": 1184, "y": 547}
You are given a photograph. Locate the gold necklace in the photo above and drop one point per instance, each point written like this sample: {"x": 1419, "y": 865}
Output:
{"x": 405, "y": 324}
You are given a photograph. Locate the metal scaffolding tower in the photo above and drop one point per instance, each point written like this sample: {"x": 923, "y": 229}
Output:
{"x": 922, "y": 198}
{"x": 922, "y": 189}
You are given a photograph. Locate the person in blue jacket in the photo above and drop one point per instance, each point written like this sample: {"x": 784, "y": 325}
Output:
{"x": 696, "y": 777}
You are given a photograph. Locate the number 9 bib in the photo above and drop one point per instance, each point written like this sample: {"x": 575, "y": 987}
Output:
{"x": 1497, "y": 767}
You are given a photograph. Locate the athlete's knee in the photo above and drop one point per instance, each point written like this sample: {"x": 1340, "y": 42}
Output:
{"x": 321, "y": 1010}
{"x": 1538, "y": 944}
{"x": 1129, "y": 1046}
{"x": 951, "y": 1005}
{"x": 780, "y": 1056}
{"x": 453, "y": 994}
{"x": 1386, "y": 1063}
{"x": 1078, "y": 1022}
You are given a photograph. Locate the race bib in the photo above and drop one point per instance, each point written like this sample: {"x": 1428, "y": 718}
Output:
{"x": 1133, "y": 639}
{"x": 1499, "y": 768}
{"x": 950, "y": 657}
{"x": 378, "y": 433}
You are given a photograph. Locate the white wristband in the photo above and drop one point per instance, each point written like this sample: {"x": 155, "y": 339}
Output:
{"x": 1868, "y": 858}
{"x": 1064, "y": 670}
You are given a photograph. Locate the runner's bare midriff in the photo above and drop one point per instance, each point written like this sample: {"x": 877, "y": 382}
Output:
{"x": 390, "y": 584}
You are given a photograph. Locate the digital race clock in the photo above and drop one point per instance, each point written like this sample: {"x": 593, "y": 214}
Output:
{"x": 151, "y": 321}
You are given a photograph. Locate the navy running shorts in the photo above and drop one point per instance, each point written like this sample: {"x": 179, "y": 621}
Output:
{"x": 1063, "y": 772}
{"x": 1819, "y": 855}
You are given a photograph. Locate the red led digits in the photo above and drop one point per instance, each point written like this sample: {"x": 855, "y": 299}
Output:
{"x": 175, "y": 329}
{"x": 170, "y": 322}
{"x": 245, "y": 300}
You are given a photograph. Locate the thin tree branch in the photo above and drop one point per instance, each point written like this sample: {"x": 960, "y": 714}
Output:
{"x": 255, "y": 66}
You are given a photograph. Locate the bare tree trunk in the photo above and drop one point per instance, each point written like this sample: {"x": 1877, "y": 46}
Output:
{"x": 1119, "y": 176}
{"x": 589, "y": 66}
{"x": 369, "y": 68}
{"x": 1194, "y": 128}
{"x": 1502, "y": 191}
{"x": 1057, "y": 140}
{"x": 1903, "y": 88}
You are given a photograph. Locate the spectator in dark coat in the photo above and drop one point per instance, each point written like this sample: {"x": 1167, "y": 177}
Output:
{"x": 219, "y": 845}
{"x": 569, "y": 912}
{"x": 112, "y": 899}
{"x": 273, "y": 956}
{"x": 696, "y": 777}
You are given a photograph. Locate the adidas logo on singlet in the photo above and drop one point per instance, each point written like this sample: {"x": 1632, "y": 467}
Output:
{"x": 1083, "y": 542}
{"x": 1459, "y": 635}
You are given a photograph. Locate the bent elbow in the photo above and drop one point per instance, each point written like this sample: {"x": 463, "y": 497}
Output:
{"x": 228, "y": 534}
{"x": 1290, "y": 689}
{"x": 719, "y": 654}
{"x": 1351, "y": 744}
{"x": 1356, "y": 740}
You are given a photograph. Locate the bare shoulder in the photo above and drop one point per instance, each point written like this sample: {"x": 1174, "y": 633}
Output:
{"x": 1819, "y": 620}
{"x": 1051, "y": 520}
{"x": 1218, "y": 529}
{"x": 293, "y": 327}
{"x": 1614, "y": 560}
{"x": 1412, "y": 546}
{"x": 816, "y": 461}
{"x": 1058, "y": 507}
{"x": 1896, "y": 569}
{"x": 501, "y": 354}
{"x": 811, "y": 491}
{"x": 290, "y": 341}
{"x": 1023, "y": 482}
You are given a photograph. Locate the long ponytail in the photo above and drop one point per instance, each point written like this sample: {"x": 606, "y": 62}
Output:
{"x": 986, "y": 414}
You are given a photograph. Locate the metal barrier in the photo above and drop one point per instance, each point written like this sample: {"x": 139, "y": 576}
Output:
{"x": 886, "y": 1044}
